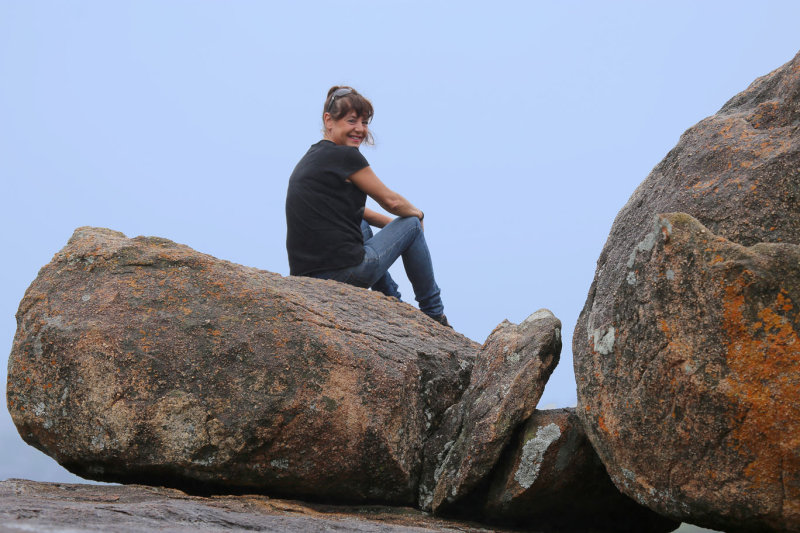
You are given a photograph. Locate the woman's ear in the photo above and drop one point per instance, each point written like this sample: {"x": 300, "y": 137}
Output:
{"x": 326, "y": 121}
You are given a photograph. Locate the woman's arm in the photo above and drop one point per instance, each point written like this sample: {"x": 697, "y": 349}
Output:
{"x": 366, "y": 180}
{"x": 376, "y": 219}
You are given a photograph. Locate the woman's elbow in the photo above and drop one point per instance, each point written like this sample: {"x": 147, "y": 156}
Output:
{"x": 393, "y": 203}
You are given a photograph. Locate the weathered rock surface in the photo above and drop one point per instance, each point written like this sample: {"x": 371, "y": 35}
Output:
{"x": 551, "y": 476}
{"x": 694, "y": 430}
{"x": 706, "y": 347}
{"x": 56, "y": 507}
{"x": 141, "y": 360}
{"x": 507, "y": 381}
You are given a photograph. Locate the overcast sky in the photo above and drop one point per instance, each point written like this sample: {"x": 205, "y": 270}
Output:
{"x": 520, "y": 128}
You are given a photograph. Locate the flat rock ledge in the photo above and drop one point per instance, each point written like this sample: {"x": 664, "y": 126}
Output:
{"x": 60, "y": 507}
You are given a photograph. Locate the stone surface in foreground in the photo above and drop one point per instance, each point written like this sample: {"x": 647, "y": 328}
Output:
{"x": 56, "y": 507}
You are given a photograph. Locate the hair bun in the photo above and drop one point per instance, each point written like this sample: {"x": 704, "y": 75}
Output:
{"x": 337, "y": 87}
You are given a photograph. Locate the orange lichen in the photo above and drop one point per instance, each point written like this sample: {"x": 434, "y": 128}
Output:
{"x": 678, "y": 345}
{"x": 705, "y": 184}
{"x": 784, "y": 302}
{"x": 763, "y": 356}
{"x": 601, "y": 423}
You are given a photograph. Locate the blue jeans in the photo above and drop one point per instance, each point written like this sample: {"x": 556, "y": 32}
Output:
{"x": 385, "y": 283}
{"x": 401, "y": 237}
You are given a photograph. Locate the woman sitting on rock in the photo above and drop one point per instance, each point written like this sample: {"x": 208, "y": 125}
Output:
{"x": 328, "y": 226}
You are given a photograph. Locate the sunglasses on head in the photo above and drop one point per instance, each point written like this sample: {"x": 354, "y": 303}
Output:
{"x": 338, "y": 93}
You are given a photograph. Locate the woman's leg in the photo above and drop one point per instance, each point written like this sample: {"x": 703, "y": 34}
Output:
{"x": 404, "y": 236}
{"x": 385, "y": 283}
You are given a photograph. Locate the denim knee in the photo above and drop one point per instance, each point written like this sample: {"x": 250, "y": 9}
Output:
{"x": 417, "y": 224}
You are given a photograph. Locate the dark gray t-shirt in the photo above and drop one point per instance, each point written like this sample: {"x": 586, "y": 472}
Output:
{"x": 324, "y": 211}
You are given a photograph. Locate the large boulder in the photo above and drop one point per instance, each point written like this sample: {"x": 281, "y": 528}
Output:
{"x": 550, "y": 478}
{"x": 507, "y": 381}
{"x": 142, "y": 360}
{"x": 686, "y": 364}
{"x": 694, "y": 406}
{"x": 736, "y": 172}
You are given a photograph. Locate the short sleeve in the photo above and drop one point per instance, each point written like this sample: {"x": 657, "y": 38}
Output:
{"x": 352, "y": 161}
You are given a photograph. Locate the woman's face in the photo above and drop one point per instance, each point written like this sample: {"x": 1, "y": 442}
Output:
{"x": 350, "y": 130}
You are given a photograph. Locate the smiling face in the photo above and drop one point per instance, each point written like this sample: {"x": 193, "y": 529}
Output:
{"x": 350, "y": 130}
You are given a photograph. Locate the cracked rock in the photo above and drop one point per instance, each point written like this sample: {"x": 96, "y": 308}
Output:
{"x": 507, "y": 381}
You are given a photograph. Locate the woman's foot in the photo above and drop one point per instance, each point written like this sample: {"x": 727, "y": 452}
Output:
{"x": 441, "y": 319}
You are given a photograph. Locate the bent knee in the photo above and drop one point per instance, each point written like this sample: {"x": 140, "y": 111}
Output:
{"x": 415, "y": 222}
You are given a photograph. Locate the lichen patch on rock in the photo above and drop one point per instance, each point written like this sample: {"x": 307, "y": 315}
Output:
{"x": 533, "y": 453}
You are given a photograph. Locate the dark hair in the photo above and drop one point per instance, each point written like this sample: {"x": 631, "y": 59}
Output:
{"x": 344, "y": 104}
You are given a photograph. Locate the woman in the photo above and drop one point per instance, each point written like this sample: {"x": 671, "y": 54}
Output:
{"x": 328, "y": 226}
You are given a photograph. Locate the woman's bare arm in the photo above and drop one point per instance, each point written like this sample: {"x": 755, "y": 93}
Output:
{"x": 366, "y": 180}
{"x": 376, "y": 219}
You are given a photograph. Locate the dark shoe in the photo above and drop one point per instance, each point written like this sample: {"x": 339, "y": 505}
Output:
{"x": 441, "y": 319}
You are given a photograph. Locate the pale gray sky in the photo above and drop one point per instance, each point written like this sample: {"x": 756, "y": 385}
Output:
{"x": 520, "y": 128}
